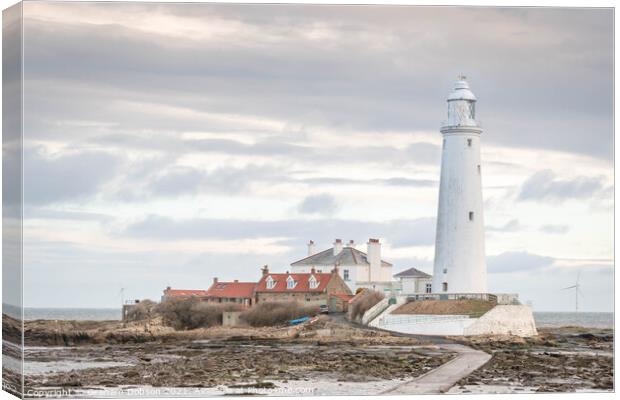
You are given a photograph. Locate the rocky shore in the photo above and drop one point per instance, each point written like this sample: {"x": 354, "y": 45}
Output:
{"x": 87, "y": 357}
{"x": 565, "y": 359}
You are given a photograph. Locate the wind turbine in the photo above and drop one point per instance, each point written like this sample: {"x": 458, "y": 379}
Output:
{"x": 576, "y": 286}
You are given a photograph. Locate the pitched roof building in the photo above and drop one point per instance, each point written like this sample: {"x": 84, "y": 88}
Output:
{"x": 312, "y": 288}
{"x": 182, "y": 293}
{"x": 413, "y": 280}
{"x": 412, "y": 273}
{"x": 231, "y": 292}
{"x": 356, "y": 268}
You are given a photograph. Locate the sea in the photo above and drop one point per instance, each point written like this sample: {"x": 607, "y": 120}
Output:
{"x": 543, "y": 319}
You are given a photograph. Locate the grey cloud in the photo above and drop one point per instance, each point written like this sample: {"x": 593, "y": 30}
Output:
{"x": 413, "y": 232}
{"x": 425, "y": 153}
{"x": 177, "y": 181}
{"x": 517, "y": 261}
{"x": 322, "y": 204}
{"x": 396, "y": 181}
{"x": 511, "y": 226}
{"x": 401, "y": 86}
{"x": 559, "y": 229}
{"x": 173, "y": 181}
{"x": 70, "y": 177}
{"x": 544, "y": 185}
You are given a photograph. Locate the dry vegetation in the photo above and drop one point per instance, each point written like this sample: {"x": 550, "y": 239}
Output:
{"x": 471, "y": 307}
{"x": 276, "y": 313}
{"x": 143, "y": 310}
{"x": 192, "y": 313}
{"x": 364, "y": 303}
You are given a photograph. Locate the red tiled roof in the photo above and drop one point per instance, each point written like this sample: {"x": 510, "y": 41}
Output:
{"x": 302, "y": 282}
{"x": 184, "y": 292}
{"x": 243, "y": 290}
{"x": 343, "y": 296}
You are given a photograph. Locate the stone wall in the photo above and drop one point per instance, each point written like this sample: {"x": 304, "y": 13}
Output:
{"x": 515, "y": 320}
{"x": 310, "y": 298}
{"x": 231, "y": 318}
{"x": 425, "y": 324}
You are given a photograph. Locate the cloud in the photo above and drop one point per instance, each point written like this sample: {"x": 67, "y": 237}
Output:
{"x": 544, "y": 185}
{"x": 517, "y": 261}
{"x": 256, "y": 106}
{"x": 66, "y": 178}
{"x": 425, "y": 153}
{"x": 323, "y": 204}
{"x": 559, "y": 229}
{"x": 274, "y": 67}
{"x": 401, "y": 233}
{"x": 511, "y": 226}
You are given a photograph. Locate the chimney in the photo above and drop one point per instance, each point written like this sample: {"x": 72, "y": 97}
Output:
{"x": 337, "y": 246}
{"x": 265, "y": 270}
{"x": 335, "y": 270}
{"x": 351, "y": 243}
{"x": 168, "y": 288}
{"x": 214, "y": 280}
{"x": 374, "y": 259}
{"x": 311, "y": 248}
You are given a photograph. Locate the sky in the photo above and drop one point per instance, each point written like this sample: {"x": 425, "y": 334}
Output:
{"x": 167, "y": 144}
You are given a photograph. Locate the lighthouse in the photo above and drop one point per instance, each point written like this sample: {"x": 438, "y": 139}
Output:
{"x": 460, "y": 264}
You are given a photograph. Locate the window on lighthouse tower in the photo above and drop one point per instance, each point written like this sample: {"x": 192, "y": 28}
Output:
{"x": 471, "y": 215}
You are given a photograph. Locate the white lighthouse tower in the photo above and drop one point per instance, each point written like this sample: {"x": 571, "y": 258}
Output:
{"x": 460, "y": 264}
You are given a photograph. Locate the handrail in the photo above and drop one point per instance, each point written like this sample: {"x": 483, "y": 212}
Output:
{"x": 424, "y": 318}
{"x": 453, "y": 296}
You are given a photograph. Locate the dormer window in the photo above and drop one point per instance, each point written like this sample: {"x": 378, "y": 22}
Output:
{"x": 290, "y": 282}
{"x": 270, "y": 282}
{"x": 313, "y": 282}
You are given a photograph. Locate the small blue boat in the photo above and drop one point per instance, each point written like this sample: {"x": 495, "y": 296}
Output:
{"x": 298, "y": 321}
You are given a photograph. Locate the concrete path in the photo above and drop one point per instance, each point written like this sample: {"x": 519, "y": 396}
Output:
{"x": 441, "y": 379}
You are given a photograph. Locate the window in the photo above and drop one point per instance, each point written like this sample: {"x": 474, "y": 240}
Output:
{"x": 471, "y": 215}
{"x": 270, "y": 283}
{"x": 345, "y": 274}
{"x": 444, "y": 286}
{"x": 445, "y": 270}
{"x": 478, "y": 169}
{"x": 290, "y": 282}
{"x": 429, "y": 287}
{"x": 313, "y": 282}
{"x": 469, "y": 142}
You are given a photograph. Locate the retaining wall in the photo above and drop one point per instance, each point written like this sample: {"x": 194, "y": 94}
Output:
{"x": 424, "y": 324}
{"x": 515, "y": 320}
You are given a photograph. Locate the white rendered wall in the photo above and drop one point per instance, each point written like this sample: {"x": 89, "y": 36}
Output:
{"x": 412, "y": 285}
{"x": 459, "y": 244}
{"x": 517, "y": 320}
{"x": 373, "y": 256}
{"x": 448, "y": 325}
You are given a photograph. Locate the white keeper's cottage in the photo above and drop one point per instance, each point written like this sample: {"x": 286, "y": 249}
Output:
{"x": 356, "y": 268}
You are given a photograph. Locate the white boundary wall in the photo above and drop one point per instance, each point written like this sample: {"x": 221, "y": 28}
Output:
{"x": 515, "y": 320}
{"x": 443, "y": 325}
